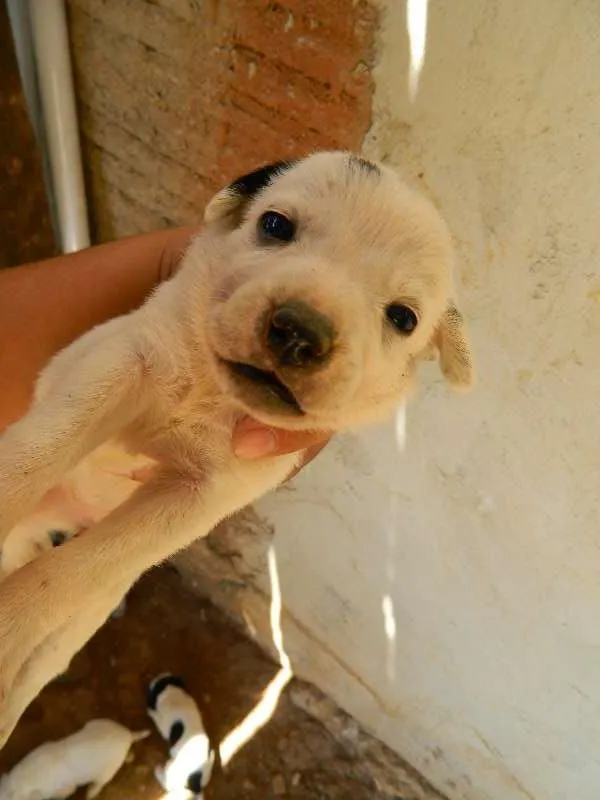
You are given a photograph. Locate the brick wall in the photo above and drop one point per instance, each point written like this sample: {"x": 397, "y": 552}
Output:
{"x": 179, "y": 96}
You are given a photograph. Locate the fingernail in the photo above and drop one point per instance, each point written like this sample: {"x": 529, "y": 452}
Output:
{"x": 255, "y": 444}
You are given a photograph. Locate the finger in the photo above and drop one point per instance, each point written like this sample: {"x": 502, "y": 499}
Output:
{"x": 252, "y": 440}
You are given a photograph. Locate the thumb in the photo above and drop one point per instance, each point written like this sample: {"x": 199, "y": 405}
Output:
{"x": 252, "y": 439}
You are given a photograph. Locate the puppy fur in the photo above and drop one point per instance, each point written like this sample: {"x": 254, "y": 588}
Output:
{"x": 130, "y": 430}
{"x": 31, "y": 539}
{"x": 179, "y": 722}
{"x": 91, "y": 757}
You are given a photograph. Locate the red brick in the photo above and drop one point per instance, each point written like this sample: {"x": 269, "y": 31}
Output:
{"x": 292, "y": 91}
{"x": 249, "y": 81}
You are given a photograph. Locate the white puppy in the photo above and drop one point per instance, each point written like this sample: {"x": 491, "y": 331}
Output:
{"x": 307, "y": 301}
{"x": 179, "y": 722}
{"x": 55, "y": 770}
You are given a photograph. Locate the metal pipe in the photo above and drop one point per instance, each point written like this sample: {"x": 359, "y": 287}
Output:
{"x": 18, "y": 14}
{"x": 61, "y": 131}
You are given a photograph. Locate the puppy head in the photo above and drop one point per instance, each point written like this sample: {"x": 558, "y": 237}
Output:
{"x": 329, "y": 281}
{"x": 158, "y": 685}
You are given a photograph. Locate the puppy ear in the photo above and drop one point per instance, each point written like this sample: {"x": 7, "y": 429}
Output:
{"x": 228, "y": 204}
{"x": 451, "y": 342}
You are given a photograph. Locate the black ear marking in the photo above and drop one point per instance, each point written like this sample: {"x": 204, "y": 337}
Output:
{"x": 249, "y": 185}
{"x": 194, "y": 782}
{"x": 228, "y": 205}
{"x": 157, "y": 687}
{"x": 176, "y": 732}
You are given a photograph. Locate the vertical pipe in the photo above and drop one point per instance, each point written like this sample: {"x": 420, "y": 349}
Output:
{"x": 18, "y": 14}
{"x": 61, "y": 131}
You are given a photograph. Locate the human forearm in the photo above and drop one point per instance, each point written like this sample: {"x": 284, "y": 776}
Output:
{"x": 46, "y": 305}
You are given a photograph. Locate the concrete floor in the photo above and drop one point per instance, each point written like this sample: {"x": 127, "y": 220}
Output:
{"x": 168, "y": 628}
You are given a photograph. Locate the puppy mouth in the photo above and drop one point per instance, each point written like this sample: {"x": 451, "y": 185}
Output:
{"x": 267, "y": 382}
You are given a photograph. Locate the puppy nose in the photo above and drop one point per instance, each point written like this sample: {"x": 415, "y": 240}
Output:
{"x": 299, "y": 336}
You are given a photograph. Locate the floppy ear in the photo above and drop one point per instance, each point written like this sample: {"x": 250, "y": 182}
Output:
{"x": 451, "y": 342}
{"x": 228, "y": 204}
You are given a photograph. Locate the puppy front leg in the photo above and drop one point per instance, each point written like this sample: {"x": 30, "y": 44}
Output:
{"x": 86, "y": 402}
{"x": 53, "y": 605}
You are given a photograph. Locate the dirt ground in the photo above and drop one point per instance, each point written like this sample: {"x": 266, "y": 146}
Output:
{"x": 167, "y": 628}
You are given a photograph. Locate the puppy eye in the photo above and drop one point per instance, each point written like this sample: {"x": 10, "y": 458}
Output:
{"x": 273, "y": 225}
{"x": 402, "y": 318}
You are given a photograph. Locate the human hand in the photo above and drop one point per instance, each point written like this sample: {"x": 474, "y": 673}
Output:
{"x": 45, "y": 306}
{"x": 252, "y": 439}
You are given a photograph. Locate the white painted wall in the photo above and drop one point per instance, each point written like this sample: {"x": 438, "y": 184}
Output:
{"x": 476, "y": 546}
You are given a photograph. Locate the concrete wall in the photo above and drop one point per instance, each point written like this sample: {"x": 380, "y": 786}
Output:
{"x": 443, "y": 584}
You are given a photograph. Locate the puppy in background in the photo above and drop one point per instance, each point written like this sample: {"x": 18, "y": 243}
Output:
{"x": 307, "y": 302}
{"x": 55, "y": 770}
{"x": 179, "y": 722}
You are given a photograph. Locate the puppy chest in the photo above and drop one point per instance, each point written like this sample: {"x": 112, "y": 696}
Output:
{"x": 96, "y": 486}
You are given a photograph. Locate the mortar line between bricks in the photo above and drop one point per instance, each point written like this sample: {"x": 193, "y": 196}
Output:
{"x": 168, "y": 192}
{"x": 277, "y": 112}
{"x": 137, "y": 203}
{"x": 119, "y": 34}
{"x": 325, "y": 139}
{"x": 169, "y": 159}
{"x": 282, "y": 65}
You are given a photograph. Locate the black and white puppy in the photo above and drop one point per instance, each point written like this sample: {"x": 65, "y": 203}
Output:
{"x": 179, "y": 722}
